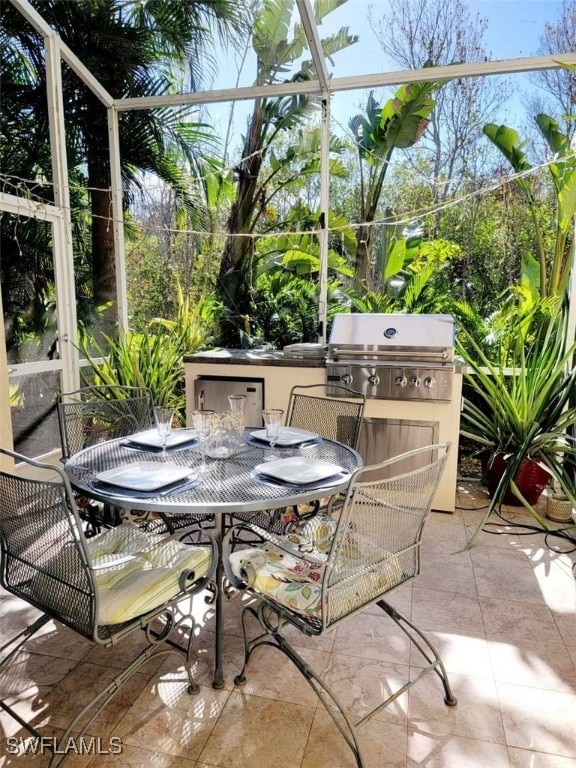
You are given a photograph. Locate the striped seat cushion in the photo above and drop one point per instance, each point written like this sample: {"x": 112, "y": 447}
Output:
{"x": 137, "y": 571}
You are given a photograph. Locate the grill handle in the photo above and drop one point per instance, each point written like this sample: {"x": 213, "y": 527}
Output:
{"x": 389, "y": 354}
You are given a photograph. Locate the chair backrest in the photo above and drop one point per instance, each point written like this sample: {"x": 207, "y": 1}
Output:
{"x": 376, "y": 544}
{"x": 44, "y": 559}
{"x": 335, "y": 417}
{"x": 95, "y": 414}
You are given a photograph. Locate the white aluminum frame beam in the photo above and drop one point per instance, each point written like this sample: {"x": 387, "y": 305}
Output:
{"x": 62, "y": 231}
{"x": 117, "y": 217}
{"x": 323, "y": 84}
{"x": 42, "y": 26}
{"x": 314, "y": 42}
{"x": 315, "y": 45}
{"x": 355, "y": 82}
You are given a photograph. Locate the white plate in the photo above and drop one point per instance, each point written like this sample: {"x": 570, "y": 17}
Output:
{"x": 288, "y": 436}
{"x": 151, "y": 438}
{"x": 299, "y": 470}
{"x": 144, "y": 475}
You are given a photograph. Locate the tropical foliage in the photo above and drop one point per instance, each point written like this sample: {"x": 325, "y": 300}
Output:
{"x": 155, "y": 39}
{"x": 524, "y": 412}
{"x": 154, "y": 358}
{"x": 397, "y": 125}
{"x": 279, "y": 46}
{"x": 553, "y": 266}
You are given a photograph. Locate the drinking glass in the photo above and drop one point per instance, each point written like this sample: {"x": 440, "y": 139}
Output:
{"x": 163, "y": 418}
{"x": 272, "y": 420}
{"x": 237, "y": 403}
{"x": 203, "y": 421}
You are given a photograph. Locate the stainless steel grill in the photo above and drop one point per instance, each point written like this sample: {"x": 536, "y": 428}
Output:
{"x": 394, "y": 357}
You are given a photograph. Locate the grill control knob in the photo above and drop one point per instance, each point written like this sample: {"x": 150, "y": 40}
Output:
{"x": 346, "y": 378}
{"x": 429, "y": 382}
{"x": 400, "y": 381}
{"x": 415, "y": 381}
{"x": 374, "y": 380}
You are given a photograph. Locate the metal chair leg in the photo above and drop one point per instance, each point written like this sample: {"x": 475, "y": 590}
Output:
{"x": 272, "y": 637}
{"x": 160, "y": 644}
{"x": 272, "y": 621}
{"x": 421, "y": 641}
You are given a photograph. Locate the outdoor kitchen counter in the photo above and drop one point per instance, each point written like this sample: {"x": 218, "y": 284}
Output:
{"x": 252, "y": 357}
{"x": 277, "y": 374}
{"x": 274, "y": 372}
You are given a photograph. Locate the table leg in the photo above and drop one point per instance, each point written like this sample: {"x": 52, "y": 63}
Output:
{"x": 218, "y": 681}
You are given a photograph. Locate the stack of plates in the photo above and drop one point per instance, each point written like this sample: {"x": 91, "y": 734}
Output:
{"x": 151, "y": 439}
{"x": 299, "y": 470}
{"x": 288, "y": 436}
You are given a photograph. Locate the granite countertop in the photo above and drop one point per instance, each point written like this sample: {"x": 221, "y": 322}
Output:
{"x": 253, "y": 357}
{"x": 268, "y": 357}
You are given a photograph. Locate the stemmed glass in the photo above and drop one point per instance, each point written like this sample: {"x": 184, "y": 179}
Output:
{"x": 163, "y": 418}
{"x": 203, "y": 421}
{"x": 272, "y": 420}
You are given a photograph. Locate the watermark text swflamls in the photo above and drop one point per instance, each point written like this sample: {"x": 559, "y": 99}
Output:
{"x": 79, "y": 745}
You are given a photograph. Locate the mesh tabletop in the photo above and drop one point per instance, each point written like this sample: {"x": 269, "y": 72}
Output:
{"x": 230, "y": 486}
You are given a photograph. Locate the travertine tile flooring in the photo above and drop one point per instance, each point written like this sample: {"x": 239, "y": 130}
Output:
{"x": 503, "y": 614}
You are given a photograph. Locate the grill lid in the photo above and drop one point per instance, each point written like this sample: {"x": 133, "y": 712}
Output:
{"x": 383, "y": 331}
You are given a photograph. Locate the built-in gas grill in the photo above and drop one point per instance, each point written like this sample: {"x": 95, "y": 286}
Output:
{"x": 395, "y": 357}
{"x": 404, "y": 365}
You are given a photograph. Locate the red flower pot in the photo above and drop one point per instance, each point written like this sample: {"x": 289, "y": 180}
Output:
{"x": 530, "y": 478}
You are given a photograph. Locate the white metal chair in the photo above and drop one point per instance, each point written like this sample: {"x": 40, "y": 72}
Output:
{"x": 334, "y": 568}
{"x": 104, "y": 588}
{"x": 92, "y": 415}
{"x": 337, "y": 416}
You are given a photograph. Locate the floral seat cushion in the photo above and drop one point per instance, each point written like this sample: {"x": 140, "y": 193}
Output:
{"x": 362, "y": 572}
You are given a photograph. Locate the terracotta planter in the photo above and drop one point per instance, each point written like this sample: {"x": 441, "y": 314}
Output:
{"x": 530, "y": 478}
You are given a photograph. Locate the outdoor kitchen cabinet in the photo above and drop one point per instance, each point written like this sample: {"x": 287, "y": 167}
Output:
{"x": 276, "y": 374}
{"x": 391, "y": 426}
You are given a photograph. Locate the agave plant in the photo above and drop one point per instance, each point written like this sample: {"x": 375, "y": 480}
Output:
{"x": 524, "y": 411}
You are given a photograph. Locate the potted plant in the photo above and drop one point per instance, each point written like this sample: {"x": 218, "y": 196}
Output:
{"x": 559, "y": 508}
{"x": 522, "y": 416}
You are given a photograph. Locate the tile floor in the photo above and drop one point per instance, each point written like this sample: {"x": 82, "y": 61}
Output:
{"x": 503, "y": 615}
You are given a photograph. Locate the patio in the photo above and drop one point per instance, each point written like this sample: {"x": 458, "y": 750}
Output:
{"x": 503, "y": 615}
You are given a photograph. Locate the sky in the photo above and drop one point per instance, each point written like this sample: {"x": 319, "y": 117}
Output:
{"x": 513, "y": 31}
{"x": 514, "y": 27}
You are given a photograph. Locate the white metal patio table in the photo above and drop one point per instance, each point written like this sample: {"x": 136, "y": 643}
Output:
{"x": 231, "y": 486}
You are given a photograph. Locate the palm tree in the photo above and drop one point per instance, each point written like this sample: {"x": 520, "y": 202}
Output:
{"x": 399, "y": 124}
{"x": 278, "y": 46}
{"x": 133, "y": 49}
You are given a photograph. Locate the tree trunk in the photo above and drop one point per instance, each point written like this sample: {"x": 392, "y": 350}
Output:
{"x": 362, "y": 259}
{"x": 103, "y": 259}
{"x": 235, "y": 276}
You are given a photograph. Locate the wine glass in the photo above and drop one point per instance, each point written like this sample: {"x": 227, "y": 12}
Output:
{"x": 203, "y": 421}
{"x": 163, "y": 418}
{"x": 272, "y": 420}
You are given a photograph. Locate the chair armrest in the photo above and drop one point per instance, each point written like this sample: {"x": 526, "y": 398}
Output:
{"x": 228, "y": 542}
{"x": 188, "y": 583}
{"x": 281, "y": 542}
